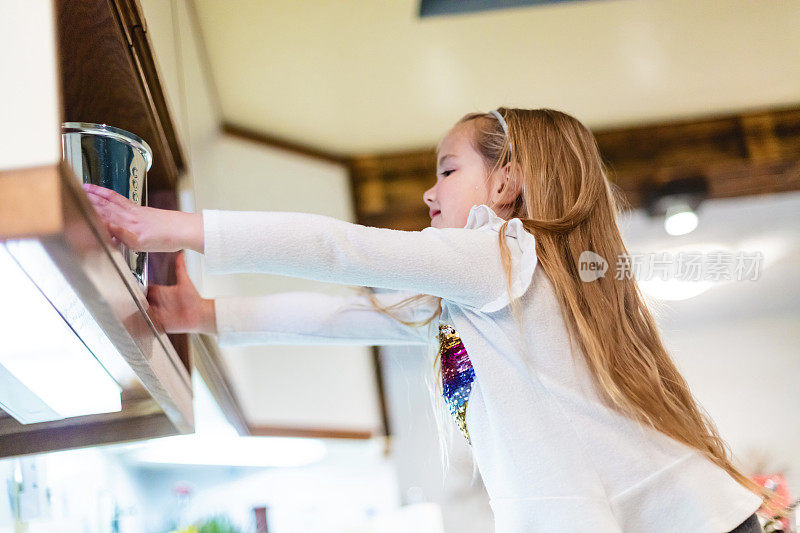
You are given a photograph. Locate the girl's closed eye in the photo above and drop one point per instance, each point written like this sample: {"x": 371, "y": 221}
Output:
{"x": 446, "y": 173}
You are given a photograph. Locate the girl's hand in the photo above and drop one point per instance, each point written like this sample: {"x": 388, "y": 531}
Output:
{"x": 179, "y": 308}
{"x": 142, "y": 228}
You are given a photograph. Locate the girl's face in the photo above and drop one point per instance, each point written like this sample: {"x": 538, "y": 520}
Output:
{"x": 461, "y": 180}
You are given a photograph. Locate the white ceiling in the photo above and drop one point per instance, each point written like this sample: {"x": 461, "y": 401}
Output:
{"x": 364, "y": 75}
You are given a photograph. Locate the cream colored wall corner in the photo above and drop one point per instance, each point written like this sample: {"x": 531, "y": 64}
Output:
{"x": 29, "y": 106}
{"x": 278, "y": 385}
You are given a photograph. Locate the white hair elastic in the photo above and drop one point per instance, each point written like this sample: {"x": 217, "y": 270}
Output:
{"x": 502, "y": 121}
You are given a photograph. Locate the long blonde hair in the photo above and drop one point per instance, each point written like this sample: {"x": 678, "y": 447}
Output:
{"x": 569, "y": 205}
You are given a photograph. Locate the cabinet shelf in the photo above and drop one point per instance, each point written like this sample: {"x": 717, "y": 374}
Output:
{"x": 156, "y": 385}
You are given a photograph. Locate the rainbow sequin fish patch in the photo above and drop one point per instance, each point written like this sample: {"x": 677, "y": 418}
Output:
{"x": 457, "y": 375}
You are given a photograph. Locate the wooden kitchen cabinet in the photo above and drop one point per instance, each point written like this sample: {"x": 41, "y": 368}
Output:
{"x": 104, "y": 73}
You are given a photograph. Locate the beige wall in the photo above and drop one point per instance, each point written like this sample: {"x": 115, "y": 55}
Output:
{"x": 30, "y": 134}
{"x": 746, "y": 374}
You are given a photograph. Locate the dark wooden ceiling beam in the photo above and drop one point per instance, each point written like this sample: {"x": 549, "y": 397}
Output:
{"x": 740, "y": 155}
{"x": 263, "y": 430}
{"x": 247, "y": 134}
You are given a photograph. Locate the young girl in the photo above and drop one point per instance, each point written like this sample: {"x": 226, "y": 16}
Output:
{"x": 576, "y": 415}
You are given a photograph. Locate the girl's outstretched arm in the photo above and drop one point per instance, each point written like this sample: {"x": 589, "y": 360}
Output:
{"x": 299, "y": 317}
{"x": 458, "y": 264}
{"x": 305, "y": 317}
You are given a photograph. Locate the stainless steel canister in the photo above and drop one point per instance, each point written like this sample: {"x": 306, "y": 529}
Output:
{"x": 115, "y": 159}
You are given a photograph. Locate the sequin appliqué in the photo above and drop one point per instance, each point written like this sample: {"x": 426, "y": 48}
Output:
{"x": 457, "y": 375}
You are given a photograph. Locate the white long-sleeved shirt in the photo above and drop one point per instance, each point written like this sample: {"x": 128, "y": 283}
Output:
{"x": 552, "y": 455}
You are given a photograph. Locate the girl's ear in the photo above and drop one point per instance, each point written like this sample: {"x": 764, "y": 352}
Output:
{"x": 506, "y": 185}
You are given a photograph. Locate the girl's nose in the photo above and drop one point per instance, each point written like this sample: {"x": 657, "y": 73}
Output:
{"x": 427, "y": 196}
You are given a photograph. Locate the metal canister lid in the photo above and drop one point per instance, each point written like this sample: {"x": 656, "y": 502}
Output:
{"x": 104, "y": 130}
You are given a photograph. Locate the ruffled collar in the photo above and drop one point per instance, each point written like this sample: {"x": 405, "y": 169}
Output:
{"x": 481, "y": 216}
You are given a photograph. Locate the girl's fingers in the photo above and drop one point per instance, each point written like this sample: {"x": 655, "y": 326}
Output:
{"x": 114, "y": 231}
{"x": 103, "y": 192}
{"x": 117, "y": 214}
{"x": 181, "y": 274}
{"x": 156, "y": 317}
{"x": 124, "y": 236}
{"x": 107, "y": 211}
{"x": 114, "y": 219}
{"x": 154, "y": 295}
{"x": 98, "y": 202}
{"x": 107, "y": 194}
{"x": 116, "y": 204}
{"x": 107, "y": 217}
{"x": 150, "y": 294}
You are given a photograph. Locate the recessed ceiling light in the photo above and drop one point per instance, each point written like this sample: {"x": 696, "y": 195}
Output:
{"x": 680, "y": 219}
{"x": 677, "y": 201}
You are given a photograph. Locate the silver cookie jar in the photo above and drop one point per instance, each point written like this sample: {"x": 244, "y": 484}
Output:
{"x": 115, "y": 159}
